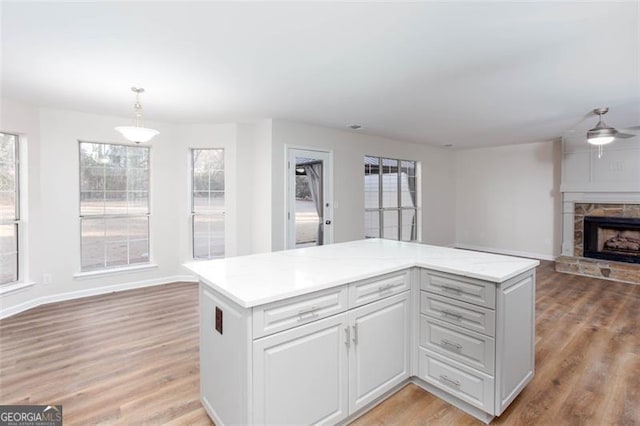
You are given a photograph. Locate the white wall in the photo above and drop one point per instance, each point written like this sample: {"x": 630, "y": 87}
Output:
{"x": 254, "y": 167}
{"x": 349, "y": 149}
{"x": 618, "y": 170}
{"x": 508, "y": 199}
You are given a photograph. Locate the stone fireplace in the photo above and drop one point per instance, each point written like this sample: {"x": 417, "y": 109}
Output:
{"x": 600, "y": 208}
{"x": 606, "y": 241}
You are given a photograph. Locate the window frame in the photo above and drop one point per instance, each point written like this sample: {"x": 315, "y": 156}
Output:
{"x": 81, "y": 217}
{"x": 17, "y": 219}
{"x": 399, "y": 207}
{"x": 193, "y": 214}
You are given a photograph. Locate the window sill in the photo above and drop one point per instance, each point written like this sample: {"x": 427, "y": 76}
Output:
{"x": 10, "y": 288}
{"x": 203, "y": 260}
{"x": 114, "y": 271}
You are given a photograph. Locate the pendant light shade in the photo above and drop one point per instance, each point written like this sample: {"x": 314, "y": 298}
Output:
{"x": 601, "y": 134}
{"x": 137, "y": 133}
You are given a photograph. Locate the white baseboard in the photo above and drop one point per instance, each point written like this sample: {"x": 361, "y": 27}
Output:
{"x": 507, "y": 252}
{"x": 60, "y": 297}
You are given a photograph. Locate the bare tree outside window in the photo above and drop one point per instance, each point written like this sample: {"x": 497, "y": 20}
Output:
{"x": 9, "y": 208}
{"x": 114, "y": 205}
{"x": 207, "y": 203}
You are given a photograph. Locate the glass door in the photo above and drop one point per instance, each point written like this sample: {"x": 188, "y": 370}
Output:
{"x": 309, "y": 205}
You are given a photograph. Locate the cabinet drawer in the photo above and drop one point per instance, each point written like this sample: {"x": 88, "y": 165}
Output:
{"x": 469, "y": 385}
{"x": 469, "y": 290}
{"x": 285, "y": 314}
{"x": 468, "y": 347}
{"x": 473, "y": 317}
{"x": 366, "y": 291}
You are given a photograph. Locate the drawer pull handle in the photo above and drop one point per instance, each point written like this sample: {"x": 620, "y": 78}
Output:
{"x": 308, "y": 313}
{"x": 448, "y": 381}
{"x": 386, "y": 287}
{"x": 453, "y": 315}
{"x": 450, "y": 345}
{"x": 347, "y": 335}
{"x": 453, "y": 290}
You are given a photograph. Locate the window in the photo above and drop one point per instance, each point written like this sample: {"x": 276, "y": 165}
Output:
{"x": 9, "y": 208}
{"x": 391, "y": 208}
{"x": 114, "y": 205}
{"x": 207, "y": 202}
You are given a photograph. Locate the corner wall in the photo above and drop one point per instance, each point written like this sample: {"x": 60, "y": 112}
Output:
{"x": 508, "y": 199}
{"x": 53, "y": 223}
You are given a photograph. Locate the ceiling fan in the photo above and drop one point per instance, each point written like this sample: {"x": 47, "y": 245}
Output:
{"x": 603, "y": 134}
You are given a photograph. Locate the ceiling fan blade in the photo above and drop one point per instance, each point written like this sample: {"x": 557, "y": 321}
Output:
{"x": 624, "y": 135}
{"x": 630, "y": 129}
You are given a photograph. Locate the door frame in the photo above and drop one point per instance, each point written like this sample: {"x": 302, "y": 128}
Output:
{"x": 289, "y": 231}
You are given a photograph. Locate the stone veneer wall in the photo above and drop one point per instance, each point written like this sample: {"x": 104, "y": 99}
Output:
{"x": 576, "y": 264}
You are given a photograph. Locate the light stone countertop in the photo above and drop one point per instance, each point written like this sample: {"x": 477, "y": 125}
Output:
{"x": 264, "y": 278}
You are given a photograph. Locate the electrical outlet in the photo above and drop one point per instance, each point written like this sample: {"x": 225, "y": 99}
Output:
{"x": 219, "y": 320}
{"x": 47, "y": 279}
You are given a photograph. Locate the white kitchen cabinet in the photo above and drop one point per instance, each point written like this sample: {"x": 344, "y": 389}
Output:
{"x": 289, "y": 313}
{"x": 473, "y": 317}
{"x": 367, "y": 291}
{"x": 321, "y": 335}
{"x": 466, "y": 384}
{"x": 458, "y": 356}
{"x": 322, "y": 372}
{"x": 379, "y": 353}
{"x": 301, "y": 375}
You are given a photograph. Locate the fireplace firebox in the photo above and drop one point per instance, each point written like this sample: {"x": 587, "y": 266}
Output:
{"x": 612, "y": 238}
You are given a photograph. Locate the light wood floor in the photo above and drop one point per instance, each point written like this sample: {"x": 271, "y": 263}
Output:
{"x": 132, "y": 358}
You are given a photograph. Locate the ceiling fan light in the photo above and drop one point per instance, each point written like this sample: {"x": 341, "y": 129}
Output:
{"x": 601, "y": 135}
{"x": 600, "y": 140}
{"x": 137, "y": 134}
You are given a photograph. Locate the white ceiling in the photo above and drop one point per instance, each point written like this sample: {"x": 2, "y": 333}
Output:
{"x": 467, "y": 74}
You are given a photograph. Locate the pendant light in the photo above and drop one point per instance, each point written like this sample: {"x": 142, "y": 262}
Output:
{"x": 137, "y": 133}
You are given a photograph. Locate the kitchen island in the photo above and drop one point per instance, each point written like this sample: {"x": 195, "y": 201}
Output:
{"x": 322, "y": 334}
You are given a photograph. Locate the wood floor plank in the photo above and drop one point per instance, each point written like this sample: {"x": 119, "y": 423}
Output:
{"x": 131, "y": 358}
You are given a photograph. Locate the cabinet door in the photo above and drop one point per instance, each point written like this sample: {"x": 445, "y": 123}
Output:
{"x": 515, "y": 334}
{"x": 379, "y": 352}
{"x": 300, "y": 375}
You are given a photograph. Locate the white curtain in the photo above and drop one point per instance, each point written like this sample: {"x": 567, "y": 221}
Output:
{"x": 314, "y": 176}
{"x": 412, "y": 191}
